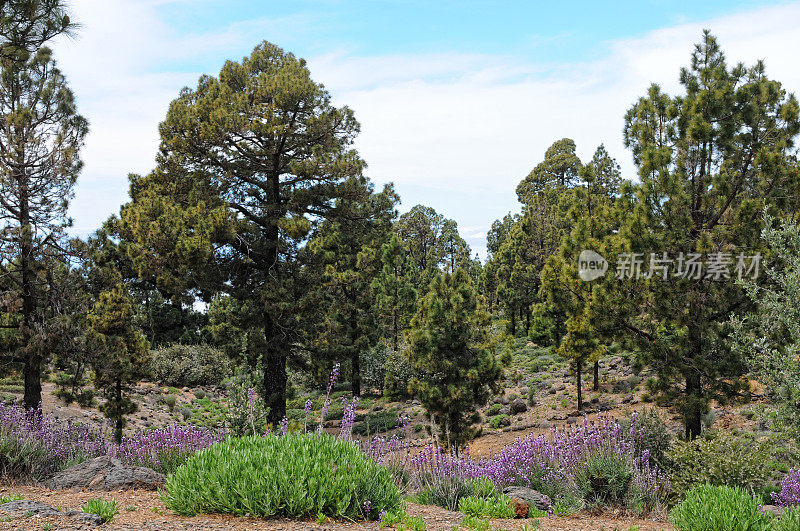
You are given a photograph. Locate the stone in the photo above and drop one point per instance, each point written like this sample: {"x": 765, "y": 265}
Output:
{"x": 106, "y": 473}
{"x": 544, "y": 424}
{"x": 29, "y": 507}
{"x": 529, "y": 496}
{"x": 622, "y": 386}
{"x": 518, "y": 406}
{"x": 521, "y": 508}
{"x": 505, "y": 410}
{"x": 772, "y": 509}
{"x": 524, "y": 391}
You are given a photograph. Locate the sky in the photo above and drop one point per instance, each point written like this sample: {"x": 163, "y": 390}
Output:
{"x": 457, "y": 100}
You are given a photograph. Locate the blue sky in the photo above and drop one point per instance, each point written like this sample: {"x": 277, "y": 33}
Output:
{"x": 457, "y": 100}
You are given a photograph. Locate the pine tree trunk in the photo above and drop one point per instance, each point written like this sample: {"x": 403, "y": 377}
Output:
{"x": 596, "y": 384}
{"x": 32, "y": 370}
{"x": 513, "y": 322}
{"x": 118, "y": 424}
{"x": 579, "y": 370}
{"x": 274, "y": 366}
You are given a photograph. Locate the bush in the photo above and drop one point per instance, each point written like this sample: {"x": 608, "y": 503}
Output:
{"x": 164, "y": 450}
{"x": 719, "y": 458}
{"x": 377, "y": 423}
{"x": 495, "y": 507}
{"x": 788, "y": 521}
{"x": 372, "y": 363}
{"x": 397, "y": 377}
{"x": 189, "y": 365}
{"x": 499, "y": 421}
{"x": 789, "y": 494}
{"x": 655, "y": 438}
{"x": 606, "y": 479}
{"x": 106, "y": 510}
{"x": 34, "y": 445}
{"x": 718, "y": 508}
{"x": 295, "y": 475}
{"x": 493, "y": 410}
{"x": 170, "y": 401}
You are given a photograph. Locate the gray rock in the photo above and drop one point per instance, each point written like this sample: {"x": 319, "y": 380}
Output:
{"x": 622, "y": 386}
{"x": 524, "y": 391}
{"x": 106, "y": 473}
{"x": 544, "y": 424}
{"x": 29, "y": 507}
{"x": 87, "y": 518}
{"x": 529, "y": 496}
{"x": 505, "y": 410}
{"x": 518, "y": 406}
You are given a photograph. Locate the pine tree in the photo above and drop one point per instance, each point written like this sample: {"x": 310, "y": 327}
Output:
{"x": 41, "y": 134}
{"x": 453, "y": 354}
{"x": 250, "y": 162}
{"x": 709, "y": 161}
{"x": 394, "y": 292}
{"x": 119, "y": 352}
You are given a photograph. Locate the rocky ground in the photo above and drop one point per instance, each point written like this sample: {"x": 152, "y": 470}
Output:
{"x": 142, "y": 510}
{"x": 539, "y": 395}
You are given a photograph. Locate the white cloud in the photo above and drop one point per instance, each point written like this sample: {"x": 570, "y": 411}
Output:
{"x": 470, "y": 123}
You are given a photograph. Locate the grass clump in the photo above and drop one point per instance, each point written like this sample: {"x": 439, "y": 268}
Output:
{"x": 295, "y": 475}
{"x": 496, "y": 507}
{"x": 710, "y": 508}
{"x": 105, "y": 509}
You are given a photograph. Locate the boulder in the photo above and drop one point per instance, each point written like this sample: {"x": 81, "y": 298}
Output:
{"x": 529, "y": 496}
{"x": 29, "y": 507}
{"x": 106, "y": 473}
{"x": 518, "y": 406}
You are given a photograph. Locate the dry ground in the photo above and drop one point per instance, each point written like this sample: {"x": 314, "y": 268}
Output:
{"x": 142, "y": 510}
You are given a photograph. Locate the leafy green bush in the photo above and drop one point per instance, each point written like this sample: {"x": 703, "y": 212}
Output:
{"x": 500, "y": 421}
{"x": 655, "y": 436}
{"x": 484, "y": 488}
{"x": 605, "y": 480}
{"x": 189, "y": 365}
{"x": 496, "y": 507}
{"x": 788, "y": 521}
{"x": 719, "y": 458}
{"x": 493, "y": 410}
{"x": 106, "y": 510}
{"x": 397, "y": 376}
{"x": 295, "y": 475}
{"x": 718, "y": 508}
{"x": 380, "y": 422}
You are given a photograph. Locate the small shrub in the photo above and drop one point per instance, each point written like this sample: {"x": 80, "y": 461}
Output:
{"x": 654, "y": 436}
{"x": 500, "y": 421}
{"x": 606, "y": 480}
{"x": 493, "y": 410}
{"x": 718, "y": 508}
{"x": 495, "y": 507}
{"x": 397, "y": 376}
{"x": 189, "y": 365}
{"x": 719, "y": 459}
{"x": 186, "y": 413}
{"x": 5, "y": 498}
{"x": 789, "y": 494}
{"x": 170, "y": 401}
{"x": 478, "y": 524}
{"x": 484, "y": 488}
{"x": 788, "y": 521}
{"x": 290, "y": 475}
{"x": 106, "y": 510}
{"x": 199, "y": 393}
{"x": 377, "y": 423}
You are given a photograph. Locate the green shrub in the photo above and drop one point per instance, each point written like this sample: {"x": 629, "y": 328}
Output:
{"x": 295, "y": 475}
{"x": 478, "y": 524}
{"x": 719, "y": 458}
{"x": 656, "y": 438}
{"x": 199, "y": 393}
{"x": 495, "y": 507}
{"x": 718, "y": 508}
{"x": 397, "y": 376}
{"x": 498, "y": 421}
{"x": 189, "y": 365}
{"x": 380, "y": 422}
{"x": 170, "y": 401}
{"x": 484, "y": 488}
{"x": 5, "y": 498}
{"x": 606, "y": 480}
{"x": 400, "y": 519}
{"x": 493, "y": 410}
{"x": 106, "y": 510}
{"x": 788, "y": 521}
